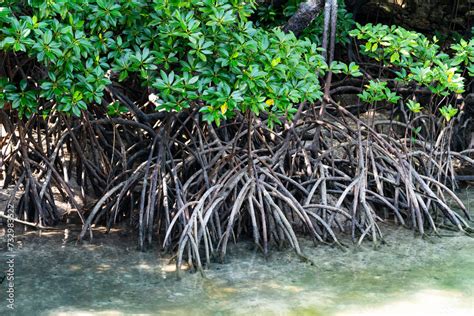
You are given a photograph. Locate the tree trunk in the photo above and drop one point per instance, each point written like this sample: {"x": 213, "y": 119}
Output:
{"x": 303, "y": 17}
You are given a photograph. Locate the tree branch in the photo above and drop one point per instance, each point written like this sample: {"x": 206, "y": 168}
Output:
{"x": 303, "y": 17}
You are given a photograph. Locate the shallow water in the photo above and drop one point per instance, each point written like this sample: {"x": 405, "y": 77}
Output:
{"x": 408, "y": 276}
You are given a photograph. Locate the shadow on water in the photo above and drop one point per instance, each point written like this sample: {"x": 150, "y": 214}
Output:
{"x": 409, "y": 276}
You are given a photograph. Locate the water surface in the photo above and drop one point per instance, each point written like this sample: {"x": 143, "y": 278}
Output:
{"x": 407, "y": 276}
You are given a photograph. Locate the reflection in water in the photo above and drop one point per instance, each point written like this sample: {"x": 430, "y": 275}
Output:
{"x": 408, "y": 276}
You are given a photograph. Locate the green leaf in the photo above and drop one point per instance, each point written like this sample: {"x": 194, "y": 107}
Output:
{"x": 48, "y": 37}
{"x": 8, "y": 41}
{"x": 76, "y": 111}
{"x": 395, "y": 57}
{"x": 4, "y": 13}
{"x": 23, "y": 84}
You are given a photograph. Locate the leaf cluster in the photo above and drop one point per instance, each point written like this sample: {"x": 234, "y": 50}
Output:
{"x": 194, "y": 53}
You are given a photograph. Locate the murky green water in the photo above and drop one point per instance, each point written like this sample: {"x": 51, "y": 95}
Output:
{"x": 408, "y": 276}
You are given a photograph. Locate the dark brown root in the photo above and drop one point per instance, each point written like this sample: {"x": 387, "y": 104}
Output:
{"x": 195, "y": 188}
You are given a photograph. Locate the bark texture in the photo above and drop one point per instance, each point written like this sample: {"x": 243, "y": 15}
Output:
{"x": 303, "y": 17}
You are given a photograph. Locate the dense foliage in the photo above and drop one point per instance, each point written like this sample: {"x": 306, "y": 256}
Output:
{"x": 413, "y": 58}
{"x": 187, "y": 51}
{"x": 204, "y": 54}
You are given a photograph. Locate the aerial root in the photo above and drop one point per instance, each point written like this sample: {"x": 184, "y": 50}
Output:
{"x": 195, "y": 188}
